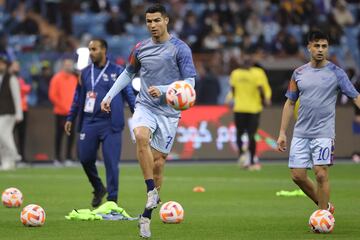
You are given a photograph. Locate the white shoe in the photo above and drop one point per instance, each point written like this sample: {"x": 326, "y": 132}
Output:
{"x": 5, "y": 166}
{"x": 57, "y": 163}
{"x": 255, "y": 167}
{"x": 152, "y": 199}
{"x": 244, "y": 160}
{"x": 69, "y": 163}
{"x": 144, "y": 226}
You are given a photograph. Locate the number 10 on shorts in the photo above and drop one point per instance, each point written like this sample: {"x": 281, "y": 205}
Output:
{"x": 324, "y": 154}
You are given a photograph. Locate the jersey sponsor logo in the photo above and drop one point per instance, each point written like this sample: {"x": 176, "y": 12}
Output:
{"x": 105, "y": 77}
{"x": 113, "y": 76}
{"x": 82, "y": 136}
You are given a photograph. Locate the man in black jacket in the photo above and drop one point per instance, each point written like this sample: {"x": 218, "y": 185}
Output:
{"x": 10, "y": 113}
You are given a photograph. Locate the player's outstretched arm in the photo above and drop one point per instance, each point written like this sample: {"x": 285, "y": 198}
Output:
{"x": 287, "y": 114}
{"x": 121, "y": 82}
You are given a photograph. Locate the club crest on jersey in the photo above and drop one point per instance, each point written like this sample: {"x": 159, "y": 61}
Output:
{"x": 113, "y": 76}
{"x": 82, "y": 136}
{"x": 105, "y": 77}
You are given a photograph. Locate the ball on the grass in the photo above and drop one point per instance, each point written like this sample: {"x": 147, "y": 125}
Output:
{"x": 12, "y": 197}
{"x": 171, "y": 212}
{"x": 322, "y": 221}
{"x": 32, "y": 216}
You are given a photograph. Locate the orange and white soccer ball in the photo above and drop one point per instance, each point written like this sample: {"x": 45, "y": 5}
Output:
{"x": 33, "y": 216}
{"x": 181, "y": 95}
{"x": 171, "y": 212}
{"x": 322, "y": 221}
{"x": 12, "y": 197}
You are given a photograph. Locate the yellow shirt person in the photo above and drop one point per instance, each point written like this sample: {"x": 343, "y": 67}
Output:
{"x": 250, "y": 89}
{"x": 248, "y": 86}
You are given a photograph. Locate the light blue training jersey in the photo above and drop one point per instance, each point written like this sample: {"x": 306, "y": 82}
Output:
{"x": 317, "y": 90}
{"x": 160, "y": 64}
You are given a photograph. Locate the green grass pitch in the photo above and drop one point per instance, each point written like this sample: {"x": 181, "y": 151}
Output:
{"x": 236, "y": 205}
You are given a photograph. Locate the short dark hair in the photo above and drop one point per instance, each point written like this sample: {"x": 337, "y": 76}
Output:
{"x": 102, "y": 42}
{"x": 317, "y": 35}
{"x": 157, "y": 8}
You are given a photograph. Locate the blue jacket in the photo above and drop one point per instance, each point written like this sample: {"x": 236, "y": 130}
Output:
{"x": 101, "y": 88}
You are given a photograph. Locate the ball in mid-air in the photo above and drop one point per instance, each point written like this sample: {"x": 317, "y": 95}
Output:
{"x": 180, "y": 95}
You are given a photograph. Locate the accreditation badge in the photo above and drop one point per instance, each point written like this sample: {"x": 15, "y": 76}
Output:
{"x": 90, "y": 102}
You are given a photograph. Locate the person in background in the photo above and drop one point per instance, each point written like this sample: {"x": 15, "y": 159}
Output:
{"x": 356, "y": 155}
{"x": 208, "y": 89}
{"x": 41, "y": 84}
{"x": 250, "y": 90}
{"x": 61, "y": 93}
{"x": 10, "y": 113}
{"x": 355, "y": 79}
{"x": 20, "y": 127}
{"x": 97, "y": 127}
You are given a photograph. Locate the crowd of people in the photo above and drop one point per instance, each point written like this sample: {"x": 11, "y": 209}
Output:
{"x": 38, "y": 31}
{"x": 40, "y": 41}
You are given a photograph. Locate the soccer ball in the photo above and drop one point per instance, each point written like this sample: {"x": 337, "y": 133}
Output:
{"x": 32, "y": 216}
{"x": 322, "y": 221}
{"x": 171, "y": 212}
{"x": 180, "y": 95}
{"x": 12, "y": 197}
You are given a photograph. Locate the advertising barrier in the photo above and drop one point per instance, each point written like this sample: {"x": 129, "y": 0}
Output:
{"x": 204, "y": 133}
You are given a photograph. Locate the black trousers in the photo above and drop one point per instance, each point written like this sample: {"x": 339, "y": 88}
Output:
{"x": 20, "y": 134}
{"x": 59, "y": 133}
{"x": 249, "y": 123}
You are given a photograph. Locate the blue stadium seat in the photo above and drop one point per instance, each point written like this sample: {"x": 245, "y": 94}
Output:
{"x": 120, "y": 45}
{"x": 4, "y": 17}
{"x": 89, "y": 22}
{"x": 97, "y": 30}
{"x": 81, "y": 23}
{"x": 197, "y": 8}
{"x": 99, "y": 18}
{"x": 114, "y": 2}
{"x": 296, "y": 31}
{"x": 19, "y": 42}
{"x": 138, "y": 32}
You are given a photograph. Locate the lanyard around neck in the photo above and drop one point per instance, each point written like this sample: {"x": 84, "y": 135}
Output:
{"x": 94, "y": 82}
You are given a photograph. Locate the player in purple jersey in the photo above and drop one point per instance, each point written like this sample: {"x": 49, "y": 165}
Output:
{"x": 159, "y": 60}
{"x": 316, "y": 85}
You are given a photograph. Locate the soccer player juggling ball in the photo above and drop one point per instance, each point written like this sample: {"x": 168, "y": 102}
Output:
{"x": 316, "y": 85}
{"x": 160, "y": 60}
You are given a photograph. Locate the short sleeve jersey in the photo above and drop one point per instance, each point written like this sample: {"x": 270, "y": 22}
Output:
{"x": 160, "y": 64}
{"x": 246, "y": 83}
{"x": 317, "y": 90}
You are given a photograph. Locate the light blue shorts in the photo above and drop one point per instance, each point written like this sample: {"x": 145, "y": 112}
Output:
{"x": 309, "y": 152}
{"x": 163, "y": 128}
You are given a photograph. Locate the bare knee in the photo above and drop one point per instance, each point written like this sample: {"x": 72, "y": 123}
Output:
{"x": 142, "y": 137}
{"x": 298, "y": 176}
{"x": 159, "y": 163}
{"x": 321, "y": 176}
